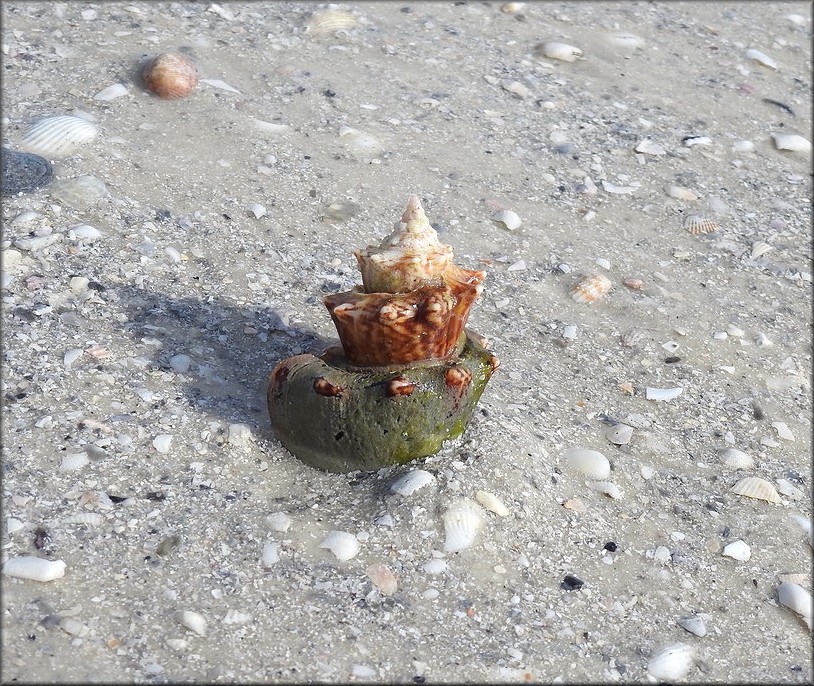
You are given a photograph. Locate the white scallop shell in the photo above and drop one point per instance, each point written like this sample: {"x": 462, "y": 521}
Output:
{"x": 738, "y": 550}
{"x": 607, "y": 488}
{"x": 462, "y": 520}
{"x": 797, "y": 599}
{"x": 755, "y": 487}
{"x": 761, "y": 58}
{"x": 736, "y": 459}
{"x": 590, "y": 463}
{"x": 73, "y": 461}
{"x": 194, "y": 621}
{"x": 34, "y": 568}
{"x": 670, "y": 662}
{"x": 696, "y": 225}
{"x": 492, "y": 503}
{"x": 619, "y": 434}
{"x": 662, "y": 393}
{"x": 278, "y": 521}
{"x": 59, "y": 135}
{"x": 791, "y": 141}
{"x": 590, "y": 287}
{"x": 560, "y": 51}
{"x": 342, "y": 544}
{"x": 409, "y": 483}
{"x": 509, "y": 218}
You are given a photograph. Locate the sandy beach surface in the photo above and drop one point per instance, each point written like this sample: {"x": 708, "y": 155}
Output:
{"x": 181, "y": 251}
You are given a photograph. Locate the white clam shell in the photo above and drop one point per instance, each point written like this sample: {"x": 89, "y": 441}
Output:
{"x": 662, "y": 394}
{"x": 736, "y": 459}
{"x": 84, "y": 233}
{"x": 619, "y": 434}
{"x": 462, "y": 520}
{"x": 73, "y": 461}
{"x": 796, "y": 599}
{"x": 672, "y": 661}
{"x": 590, "y": 463}
{"x": 607, "y": 488}
{"x": 117, "y": 90}
{"x": 737, "y": 550}
{"x": 34, "y": 568}
{"x": 560, "y": 51}
{"x": 509, "y": 218}
{"x": 755, "y": 487}
{"x": 409, "y": 483}
{"x": 330, "y": 22}
{"x": 194, "y": 621}
{"x": 59, "y": 135}
{"x": 492, "y": 503}
{"x": 791, "y": 141}
{"x": 761, "y": 58}
{"x": 342, "y": 544}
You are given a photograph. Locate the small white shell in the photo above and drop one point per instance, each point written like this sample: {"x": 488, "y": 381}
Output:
{"x": 74, "y": 627}
{"x": 278, "y": 521}
{"x": 461, "y": 523}
{"x": 672, "y": 661}
{"x": 559, "y": 51}
{"x": 162, "y": 443}
{"x": 759, "y": 249}
{"x": 696, "y": 225}
{"x": 619, "y": 434}
{"x": 797, "y": 599}
{"x": 84, "y": 232}
{"x": 59, "y": 135}
{"x": 271, "y": 553}
{"x": 117, "y": 90}
{"x": 382, "y": 577}
{"x": 783, "y": 431}
{"x": 791, "y": 141}
{"x": 34, "y": 568}
{"x": 330, "y": 23}
{"x": 694, "y": 624}
{"x": 607, "y": 488}
{"x": 90, "y": 518}
{"x": 492, "y": 503}
{"x": 194, "y": 621}
{"x": 743, "y": 146}
{"x": 590, "y": 463}
{"x": 342, "y": 544}
{"x": 761, "y": 58}
{"x": 681, "y": 193}
{"x": 755, "y": 487}
{"x": 509, "y": 218}
{"x": 736, "y": 459}
{"x": 785, "y": 487}
{"x": 409, "y": 483}
{"x": 650, "y": 147}
{"x": 590, "y": 288}
{"x": 73, "y": 461}
{"x": 738, "y": 550}
{"x": 662, "y": 393}
{"x": 257, "y": 210}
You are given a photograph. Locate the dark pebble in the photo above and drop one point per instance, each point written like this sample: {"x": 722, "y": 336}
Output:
{"x": 572, "y": 583}
{"x": 610, "y": 546}
{"x": 24, "y": 172}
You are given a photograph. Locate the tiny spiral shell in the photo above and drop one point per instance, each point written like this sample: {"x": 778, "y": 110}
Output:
{"x": 590, "y": 287}
{"x": 170, "y": 76}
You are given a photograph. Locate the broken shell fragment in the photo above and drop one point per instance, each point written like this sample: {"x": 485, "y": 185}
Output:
{"x": 796, "y": 599}
{"x": 410, "y": 482}
{"x": 737, "y": 550}
{"x": 791, "y": 141}
{"x": 761, "y": 58}
{"x": 696, "y": 225}
{"x": 755, "y": 487}
{"x": 492, "y": 503}
{"x": 462, "y": 521}
{"x": 170, "y": 76}
{"x": 662, "y": 394}
{"x": 736, "y": 459}
{"x": 670, "y": 662}
{"x": 509, "y": 218}
{"x": 619, "y": 434}
{"x": 590, "y": 463}
{"x": 556, "y": 50}
{"x": 590, "y": 288}
{"x": 34, "y": 568}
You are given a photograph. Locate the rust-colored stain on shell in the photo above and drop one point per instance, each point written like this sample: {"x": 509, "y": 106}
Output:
{"x": 400, "y": 386}
{"x": 324, "y": 387}
{"x": 458, "y": 379}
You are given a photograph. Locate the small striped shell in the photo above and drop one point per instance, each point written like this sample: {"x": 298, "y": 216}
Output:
{"x": 58, "y": 136}
{"x": 462, "y": 520}
{"x": 330, "y": 23}
{"x": 590, "y": 287}
{"x": 755, "y": 487}
{"x": 170, "y": 76}
{"x": 697, "y": 225}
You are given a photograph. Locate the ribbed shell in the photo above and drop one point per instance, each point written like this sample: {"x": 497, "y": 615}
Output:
{"x": 58, "y": 136}
{"x": 736, "y": 459}
{"x": 330, "y": 23}
{"x": 461, "y": 523}
{"x": 755, "y": 487}
{"x": 697, "y": 224}
{"x": 170, "y": 76}
{"x": 590, "y": 287}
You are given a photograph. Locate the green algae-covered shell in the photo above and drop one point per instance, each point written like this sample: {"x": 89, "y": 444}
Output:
{"x": 340, "y": 418}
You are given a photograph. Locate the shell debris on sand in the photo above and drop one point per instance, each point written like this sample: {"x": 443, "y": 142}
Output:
{"x": 590, "y": 463}
{"x": 662, "y": 394}
{"x": 492, "y": 503}
{"x": 737, "y": 550}
{"x": 736, "y": 459}
{"x": 462, "y": 521}
{"x": 557, "y": 50}
{"x": 194, "y": 621}
{"x": 509, "y": 218}
{"x": 757, "y": 488}
{"x": 382, "y": 577}
{"x": 330, "y": 22}
{"x": 672, "y": 661}
{"x": 342, "y": 544}
{"x": 34, "y": 568}
{"x": 797, "y": 599}
{"x": 409, "y": 483}
{"x": 59, "y": 135}
{"x": 792, "y": 142}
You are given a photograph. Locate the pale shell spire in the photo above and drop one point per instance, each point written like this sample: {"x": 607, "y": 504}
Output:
{"x": 409, "y": 258}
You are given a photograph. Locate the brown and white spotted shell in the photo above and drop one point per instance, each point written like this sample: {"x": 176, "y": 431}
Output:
{"x": 589, "y": 288}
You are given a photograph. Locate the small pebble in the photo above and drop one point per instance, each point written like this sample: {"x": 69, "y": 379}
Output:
{"x": 24, "y": 172}
{"x": 180, "y": 363}
{"x": 571, "y": 583}
{"x": 193, "y": 621}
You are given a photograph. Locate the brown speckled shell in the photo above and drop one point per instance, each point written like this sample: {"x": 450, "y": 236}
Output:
{"x": 170, "y": 76}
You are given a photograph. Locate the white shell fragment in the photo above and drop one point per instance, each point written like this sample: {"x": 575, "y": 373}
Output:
{"x": 271, "y": 553}
{"x": 736, "y": 459}
{"x": 34, "y": 568}
{"x": 590, "y": 463}
{"x": 737, "y": 550}
{"x": 342, "y": 544}
{"x": 755, "y": 487}
{"x": 623, "y": 39}
{"x": 59, "y": 135}
{"x": 462, "y": 520}
{"x": 382, "y": 577}
{"x": 410, "y": 482}
{"x": 194, "y": 621}
{"x": 796, "y": 599}
{"x": 257, "y": 210}
{"x": 619, "y": 434}
{"x": 670, "y": 662}
{"x": 662, "y": 393}
{"x": 607, "y": 488}
{"x": 791, "y": 141}
{"x": 761, "y": 58}
{"x": 694, "y": 624}
{"x": 162, "y": 443}
{"x": 73, "y": 461}
{"x": 278, "y": 521}
{"x": 509, "y": 218}
{"x": 559, "y": 51}
{"x": 117, "y": 90}
{"x": 681, "y": 193}
{"x": 650, "y": 147}
{"x": 492, "y": 503}
{"x": 84, "y": 233}
{"x": 330, "y": 22}
{"x": 783, "y": 431}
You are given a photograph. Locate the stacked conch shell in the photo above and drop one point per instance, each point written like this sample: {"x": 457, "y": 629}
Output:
{"x": 414, "y": 302}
